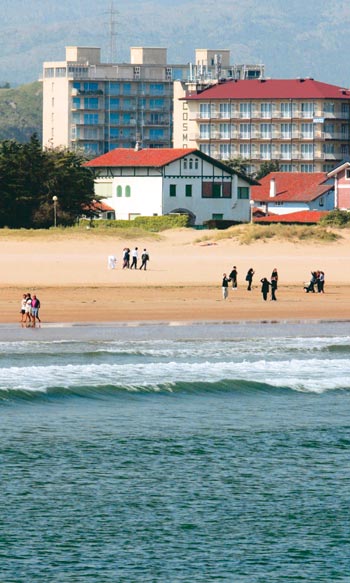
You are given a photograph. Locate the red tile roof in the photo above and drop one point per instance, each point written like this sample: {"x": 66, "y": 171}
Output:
{"x": 150, "y": 157}
{"x": 305, "y": 217}
{"x": 99, "y": 207}
{"x": 272, "y": 89}
{"x": 292, "y": 187}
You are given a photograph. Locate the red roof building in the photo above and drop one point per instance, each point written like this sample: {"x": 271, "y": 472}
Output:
{"x": 282, "y": 193}
{"x": 303, "y": 124}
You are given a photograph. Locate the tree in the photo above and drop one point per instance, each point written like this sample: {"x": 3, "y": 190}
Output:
{"x": 238, "y": 165}
{"x": 266, "y": 168}
{"x": 30, "y": 177}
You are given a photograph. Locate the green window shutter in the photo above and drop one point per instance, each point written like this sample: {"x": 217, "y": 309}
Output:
{"x": 127, "y": 191}
{"x": 217, "y": 216}
{"x": 119, "y": 191}
{"x": 188, "y": 189}
{"x": 243, "y": 192}
{"x": 172, "y": 190}
{"x": 216, "y": 190}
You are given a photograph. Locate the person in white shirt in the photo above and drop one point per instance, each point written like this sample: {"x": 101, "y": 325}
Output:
{"x": 135, "y": 256}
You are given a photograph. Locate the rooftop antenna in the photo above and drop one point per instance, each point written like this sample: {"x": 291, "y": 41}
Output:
{"x": 112, "y": 33}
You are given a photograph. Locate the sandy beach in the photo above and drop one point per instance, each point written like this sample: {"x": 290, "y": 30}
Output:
{"x": 182, "y": 284}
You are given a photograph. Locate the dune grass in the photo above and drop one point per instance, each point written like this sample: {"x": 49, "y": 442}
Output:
{"x": 77, "y": 233}
{"x": 247, "y": 234}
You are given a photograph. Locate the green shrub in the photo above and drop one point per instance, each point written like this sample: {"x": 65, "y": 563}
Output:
{"x": 155, "y": 224}
{"x": 336, "y": 218}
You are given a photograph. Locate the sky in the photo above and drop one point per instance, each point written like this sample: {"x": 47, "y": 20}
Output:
{"x": 292, "y": 38}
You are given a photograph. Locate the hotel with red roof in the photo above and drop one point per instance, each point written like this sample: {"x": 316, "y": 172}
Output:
{"x": 302, "y": 123}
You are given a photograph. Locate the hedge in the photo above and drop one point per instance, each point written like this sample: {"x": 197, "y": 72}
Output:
{"x": 158, "y": 223}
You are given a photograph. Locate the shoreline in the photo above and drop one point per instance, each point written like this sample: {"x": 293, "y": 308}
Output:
{"x": 173, "y": 330}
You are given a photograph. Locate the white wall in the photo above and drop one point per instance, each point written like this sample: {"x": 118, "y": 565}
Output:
{"x": 145, "y": 196}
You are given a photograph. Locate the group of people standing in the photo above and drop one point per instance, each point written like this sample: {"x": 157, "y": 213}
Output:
{"x": 30, "y": 311}
{"x": 130, "y": 259}
{"x": 317, "y": 281}
{"x": 266, "y": 285}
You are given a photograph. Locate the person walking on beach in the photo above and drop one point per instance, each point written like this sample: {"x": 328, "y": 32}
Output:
{"x": 225, "y": 282}
{"x": 112, "y": 261}
{"x": 274, "y": 283}
{"x": 126, "y": 257}
{"x": 135, "y": 256}
{"x": 35, "y": 310}
{"x": 28, "y": 308}
{"x": 23, "y": 308}
{"x": 265, "y": 286}
{"x": 145, "y": 259}
{"x": 320, "y": 282}
{"x": 233, "y": 277}
{"x": 249, "y": 278}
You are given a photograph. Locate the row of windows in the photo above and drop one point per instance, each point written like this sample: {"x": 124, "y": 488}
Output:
{"x": 267, "y": 109}
{"x": 284, "y": 151}
{"x": 267, "y": 130}
{"x": 213, "y": 190}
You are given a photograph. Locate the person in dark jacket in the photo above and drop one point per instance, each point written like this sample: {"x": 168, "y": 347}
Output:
{"x": 249, "y": 278}
{"x": 145, "y": 259}
{"x": 274, "y": 282}
{"x": 233, "y": 277}
{"x": 265, "y": 286}
{"x": 225, "y": 282}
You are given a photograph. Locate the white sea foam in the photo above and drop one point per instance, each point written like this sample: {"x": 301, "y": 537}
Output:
{"x": 314, "y": 375}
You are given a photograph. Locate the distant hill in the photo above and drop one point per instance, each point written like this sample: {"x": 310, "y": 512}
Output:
{"x": 294, "y": 38}
{"x": 21, "y": 112}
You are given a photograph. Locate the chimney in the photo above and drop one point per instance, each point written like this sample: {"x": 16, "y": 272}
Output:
{"x": 272, "y": 187}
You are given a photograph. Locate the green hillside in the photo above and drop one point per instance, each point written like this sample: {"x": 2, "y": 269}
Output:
{"x": 21, "y": 112}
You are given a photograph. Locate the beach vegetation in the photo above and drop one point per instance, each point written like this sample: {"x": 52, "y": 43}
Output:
{"x": 145, "y": 224}
{"x": 336, "y": 218}
{"x": 248, "y": 234}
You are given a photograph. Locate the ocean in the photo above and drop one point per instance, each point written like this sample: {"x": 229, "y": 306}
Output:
{"x": 175, "y": 453}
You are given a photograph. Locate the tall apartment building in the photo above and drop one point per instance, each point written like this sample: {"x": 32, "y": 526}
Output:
{"x": 97, "y": 106}
{"x": 302, "y": 123}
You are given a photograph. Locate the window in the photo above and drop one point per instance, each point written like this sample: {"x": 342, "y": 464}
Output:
{"x": 265, "y": 109}
{"x": 306, "y": 168}
{"x": 114, "y": 133}
{"x": 119, "y": 191}
{"x": 127, "y": 191}
{"x": 265, "y": 151}
{"x": 137, "y": 71}
{"x": 91, "y": 103}
{"x": 344, "y": 149}
{"x": 347, "y": 173}
{"x": 224, "y": 110}
{"x": 114, "y": 103}
{"x": 307, "y": 130}
{"x": 156, "y": 103}
{"x": 244, "y": 150}
{"x": 60, "y": 71}
{"x": 172, "y": 189}
{"x": 286, "y": 168}
{"x": 90, "y": 118}
{"x": 321, "y": 202}
{"x": 328, "y": 148}
{"x": 156, "y": 133}
{"x": 204, "y": 131}
{"x": 190, "y": 165}
{"x": 286, "y": 131}
{"x": 188, "y": 190}
{"x": 156, "y": 89}
{"x": 216, "y": 189}
{"x": 307, "y": 151}
{"x": 286, "y": 151}
{"x": 265, "y": 129}
{"x": 217, "y": 216}
{"x": 286, "y": 109}
{"x": 328, "y": 128}
{"x": 185, "y": 164}
{"x": 307, "y": 109}
{"x": 328, "y": 107}
{"x": 196, "y": 163}
{"x": 205, "y": 148}
{"x": 204, "y": 110}
{"x": 245, "y": 131}
{"x": 114, "y": 88}
{"x": 244, "y": 110}
{"x": 114, "y": 118}
{"x": 88, "y": 86}
{"x": 76, "y": 102}
{"x": 225, "y": 151}
{"x": 225, "y": 131}
{"x": 127, "y": 89}
{"x": 243, "y": 192}
{"x": 49, "y": 72}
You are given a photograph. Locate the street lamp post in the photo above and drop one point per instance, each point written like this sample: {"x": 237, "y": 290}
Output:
{"x": 251, "y": 202}
{"x": 54, "y": 200}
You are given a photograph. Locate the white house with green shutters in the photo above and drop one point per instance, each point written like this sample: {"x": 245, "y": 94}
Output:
{"x": 151, "y": 182}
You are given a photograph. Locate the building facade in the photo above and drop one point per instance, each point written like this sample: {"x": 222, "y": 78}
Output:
{"x": 151, "y": 182}
{"x": 95, "y": 107}
{"x": 302, "y": 123}
{"x": 341, "y": 177}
